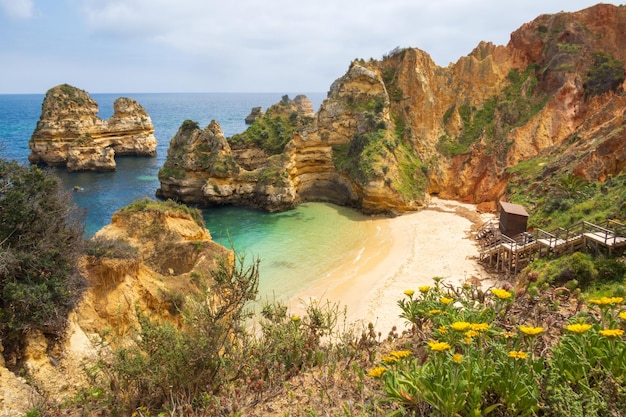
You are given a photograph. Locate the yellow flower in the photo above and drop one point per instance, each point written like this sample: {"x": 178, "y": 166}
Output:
{"x": 443, "y": 330}
{"x": 622, "y": 315}
{"x": 446, "y": 300}
{"x": 400, "y": 353}
{"x": 479, "y": 327}
{"x": 602, "y": 301}
{"x": 471, "y": 333}
{"x": 518, "y": 354}
{"x": 457, "y": 357}
{"x": 377, "y": 372}
{"x": 578, "y": 327}
{"x": 501, "y": 294}
{"x": 611, "y": 332}
{"x": 531, "y": 331}
{"x": 467, "y": 340}
{"x": 389, "y": 359}
{"x": 424, "y": 288}
{"x": 460, "y": 325}
{"x": 438, "y": 346}
{"x": 295, "y": 318}
{"x": 409, "y": 293}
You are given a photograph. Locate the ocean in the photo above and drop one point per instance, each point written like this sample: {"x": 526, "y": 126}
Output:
{"x": 296, "y": 247}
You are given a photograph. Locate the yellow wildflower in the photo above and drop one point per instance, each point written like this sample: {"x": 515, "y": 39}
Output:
{"x": 460, "y": 326}
{"x": 424, "y": 288}
{"x": 400, "y": 353}
{"x": 479, "y": 327}
{"x": 389, "y": 359}
{"x": 611, "y": 332}
{"x": 446, "y": 300}
{"x": 457, "y": 357}
{"x": 578, "y": 327}
{"x": 377, "y": 372}
{"x": 438, "y": 346}
{"x": 501, "y": 293}
{"x": 409, "y": 292}
{"x": 443, "y": 330}
{"x": 518, "y": 354}
{"x": 471, "y": 333}
{"x": 531, "y": 331}
{"x": 467, "y": 340}
{"x": 603, "y": 301}
{"x": 622, "y": 315}
{"x": 434, "y": 312}
{"x": 295, "y": 318}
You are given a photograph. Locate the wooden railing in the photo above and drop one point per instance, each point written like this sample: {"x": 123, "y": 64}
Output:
{"x": 524, "y": 247}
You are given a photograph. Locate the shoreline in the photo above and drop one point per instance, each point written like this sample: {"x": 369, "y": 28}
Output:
{"x": 402, "y": 253}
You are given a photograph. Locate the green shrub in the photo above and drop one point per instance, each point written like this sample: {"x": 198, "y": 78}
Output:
{"x": 41, "y": 237}
{"x": 164, "y": 364}
{"x": 577, "y": 266}
{"x": 101, "y": 247}
{"x": 606, "y": 74}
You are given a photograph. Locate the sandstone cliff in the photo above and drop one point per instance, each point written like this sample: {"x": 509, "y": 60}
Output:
{"x": 70, "y": 133}
{"x": 390, "y": 132}
{"x": 146, "y": 261}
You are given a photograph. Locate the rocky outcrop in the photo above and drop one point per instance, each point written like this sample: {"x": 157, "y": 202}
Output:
{"x": 205, "y": 168}
{"x": 391, "y": 132}
{"x": 255, "y": 113}
{"x": 70, "y": 133}
{"x": 146, "y": 261}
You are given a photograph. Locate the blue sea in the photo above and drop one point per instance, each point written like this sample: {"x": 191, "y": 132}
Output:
{"x": 296, "y": 248}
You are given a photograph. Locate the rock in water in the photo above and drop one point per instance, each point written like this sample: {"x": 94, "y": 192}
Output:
{"x": 70, "y": 133}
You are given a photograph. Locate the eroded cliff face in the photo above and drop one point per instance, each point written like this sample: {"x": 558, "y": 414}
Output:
{"x": 391, "y": 132}
{"x": 146, "y": 261}
{"x": 70, "y": 133}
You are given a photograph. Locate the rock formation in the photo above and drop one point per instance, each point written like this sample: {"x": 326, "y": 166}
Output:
{"x": 391, "y": 132}
{"x": 146, "y": 261}
{"x": 255, "y": 113}
{"x": 70, "y": 133}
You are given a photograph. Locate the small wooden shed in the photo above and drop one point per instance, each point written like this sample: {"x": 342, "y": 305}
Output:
{"x": 513, "y": 219}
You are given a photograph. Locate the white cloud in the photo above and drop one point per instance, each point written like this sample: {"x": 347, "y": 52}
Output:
{"x": 21, "y": 9}
{"x": 253, "y": 45}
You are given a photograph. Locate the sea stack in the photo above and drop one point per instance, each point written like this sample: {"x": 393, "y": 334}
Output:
{"x": 69, "y": 132}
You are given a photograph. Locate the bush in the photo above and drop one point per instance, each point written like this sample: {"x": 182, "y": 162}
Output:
{"x": 606, "y": 74}
{"x": 577, "y": 266}
{"x": 101, "y": 247}
{"x": 164, "y": 364}
{"x": 41, "y": 237}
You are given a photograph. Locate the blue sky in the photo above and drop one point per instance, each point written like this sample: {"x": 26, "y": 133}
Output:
{"x": 124, "y": 46}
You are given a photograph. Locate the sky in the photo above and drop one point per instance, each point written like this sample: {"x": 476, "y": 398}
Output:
{"x": 285, "y": 46}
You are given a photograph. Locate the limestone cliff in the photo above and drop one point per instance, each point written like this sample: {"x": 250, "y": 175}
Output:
{"x": 390, "y": 132}
{"x": 70, "y": 133}
{"x": 204, "y": 168}
{"x": 147, "y": 260}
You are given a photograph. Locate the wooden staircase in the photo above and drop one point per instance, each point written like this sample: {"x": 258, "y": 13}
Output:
{"x": 510, "y": 255}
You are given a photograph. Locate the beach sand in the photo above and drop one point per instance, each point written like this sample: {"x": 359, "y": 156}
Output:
{"x": 402, "y": 253}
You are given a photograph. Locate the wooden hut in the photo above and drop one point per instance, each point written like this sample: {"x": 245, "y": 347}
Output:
{"x": 513, "y": 219}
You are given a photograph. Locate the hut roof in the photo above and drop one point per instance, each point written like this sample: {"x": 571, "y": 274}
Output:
{"x": 513, "y": 209}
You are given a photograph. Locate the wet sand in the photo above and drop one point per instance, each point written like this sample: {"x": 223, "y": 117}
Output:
{"x": 402, "y": 253}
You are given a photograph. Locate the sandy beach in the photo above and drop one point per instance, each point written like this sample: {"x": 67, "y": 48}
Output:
{"x": 402, "y": 253}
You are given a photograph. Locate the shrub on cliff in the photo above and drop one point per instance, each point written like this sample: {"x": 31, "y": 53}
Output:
{"x": 606, "y": 74}
{"x": 41, "y": 236}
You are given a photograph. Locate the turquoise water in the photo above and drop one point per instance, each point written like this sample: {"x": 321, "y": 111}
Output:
{"x": 296, "y": 248}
